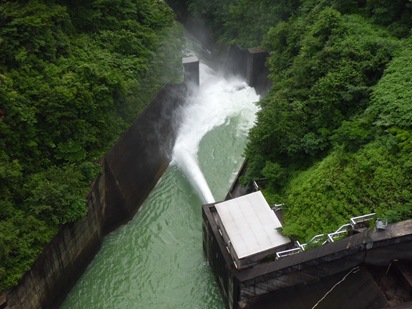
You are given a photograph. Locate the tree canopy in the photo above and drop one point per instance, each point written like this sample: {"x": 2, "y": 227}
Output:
{"x": 333, "y": 137}
{"x": 73, "y": 76}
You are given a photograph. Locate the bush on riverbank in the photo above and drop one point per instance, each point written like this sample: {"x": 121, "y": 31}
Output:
{"x": 73, "y": 76}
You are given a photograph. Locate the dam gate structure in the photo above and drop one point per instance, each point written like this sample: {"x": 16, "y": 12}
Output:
{"x": 358, "y": 271}
{"x": 130, "y": 170}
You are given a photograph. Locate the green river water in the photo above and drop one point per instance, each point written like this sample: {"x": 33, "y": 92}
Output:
{"x": 156, "y": 260}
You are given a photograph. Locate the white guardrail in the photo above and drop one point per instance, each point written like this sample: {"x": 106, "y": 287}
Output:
{"x": 355, "y": 223}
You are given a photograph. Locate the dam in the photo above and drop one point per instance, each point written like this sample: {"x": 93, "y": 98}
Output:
{"x": 374, "y": 265}
{"x": 139, "y": 161}
{"x": 156, "y": 259}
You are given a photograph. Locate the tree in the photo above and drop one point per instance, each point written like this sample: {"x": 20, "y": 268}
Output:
{"x": 73, "y": 77}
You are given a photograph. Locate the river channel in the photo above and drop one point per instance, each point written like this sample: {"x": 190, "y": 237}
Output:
{"x": 156, "y": 260}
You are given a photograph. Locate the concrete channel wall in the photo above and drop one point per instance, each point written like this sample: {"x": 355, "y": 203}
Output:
{"x": 63, "y": 260}
{"x": 130, "y": 171}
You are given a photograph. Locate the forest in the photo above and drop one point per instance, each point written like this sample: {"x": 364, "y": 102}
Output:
{"x": 333, "y": 138}
{"x": 73, "y": 76}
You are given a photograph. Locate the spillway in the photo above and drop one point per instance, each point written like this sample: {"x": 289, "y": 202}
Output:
{"x": 156, "y": 260}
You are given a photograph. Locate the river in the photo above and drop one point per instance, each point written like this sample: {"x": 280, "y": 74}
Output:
{"x": 156, "y": 260}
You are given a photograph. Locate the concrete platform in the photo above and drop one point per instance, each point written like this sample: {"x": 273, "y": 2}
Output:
{"x": 249, "y": 229}
{"x": 254, "y": 287}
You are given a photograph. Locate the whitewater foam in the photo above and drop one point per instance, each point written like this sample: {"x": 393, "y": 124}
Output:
{"x": 217, "y": 100}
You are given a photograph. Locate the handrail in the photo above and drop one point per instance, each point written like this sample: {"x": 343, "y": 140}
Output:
{"x": 299, "y": 245}
{"x": 316, "y": 238}
{"x": 255, "y": 186}
{"x": 364, "y": 218}
{"x": 277, "y": 206}
{"x": 329, "y": 237}
{"x": 289, "y": 252}
{"x": 343, "y": 228}
{"x": 332, "y": 236}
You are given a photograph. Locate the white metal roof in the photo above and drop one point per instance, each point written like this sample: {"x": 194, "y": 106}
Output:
{"x": 250, "y": 224}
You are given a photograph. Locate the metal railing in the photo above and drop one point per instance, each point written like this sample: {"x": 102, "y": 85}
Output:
{"x": 276, "y": 206}
{"x": 355, "y": 223}
{"x": 315, "y": 239}
{"x": 255, "y": 186}
{"x": 333, "y": 236}
{"x": 285, "y": 253}
{"x": 259, "y": 183}
{"x": 339, "y": 232}
{"x": 361, "y": 221}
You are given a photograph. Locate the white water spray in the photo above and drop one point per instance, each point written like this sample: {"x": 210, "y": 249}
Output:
{"x": 188, "y": 163}
{"x": 214, "y": 104}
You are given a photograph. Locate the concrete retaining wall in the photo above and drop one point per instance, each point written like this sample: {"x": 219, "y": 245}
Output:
{"x": 63, "y": 260}
{"x": 141, "y": 155}
{"x": 249, "y": 63}
{"x": 130, "y": 171}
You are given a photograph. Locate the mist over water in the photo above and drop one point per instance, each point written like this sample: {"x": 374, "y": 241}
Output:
{"x": 156, "y": 260}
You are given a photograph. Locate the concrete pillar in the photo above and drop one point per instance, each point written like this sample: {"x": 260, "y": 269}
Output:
{"x": 255, "y": 65}
{"x": 191, "y": 70}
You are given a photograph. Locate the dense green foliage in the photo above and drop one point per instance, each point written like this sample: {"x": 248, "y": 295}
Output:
{"x": 241, "y": 22}
{"x": 334, "y": 136}
{"x": 73, "y": 75}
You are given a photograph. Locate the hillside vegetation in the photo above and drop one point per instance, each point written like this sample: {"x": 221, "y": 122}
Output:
{"x": 334, "y": 137}
{"x": 73, "y": 75}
